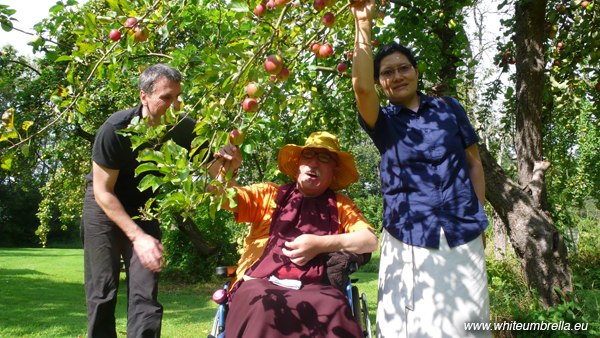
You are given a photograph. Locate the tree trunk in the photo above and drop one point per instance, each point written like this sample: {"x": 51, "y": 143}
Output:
{"x": 499, "y": 237}
{"x": 189, "y": 228}
{"x": 447, "y": 38}
{"x": 536, "y": 241}
{"x": 529, "y": 39}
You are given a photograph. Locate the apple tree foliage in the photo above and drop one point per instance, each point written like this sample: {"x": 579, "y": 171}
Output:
{"x": 219, "y": 46}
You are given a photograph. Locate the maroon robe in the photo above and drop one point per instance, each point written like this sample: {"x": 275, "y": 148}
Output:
{"x": 259, "y": 308}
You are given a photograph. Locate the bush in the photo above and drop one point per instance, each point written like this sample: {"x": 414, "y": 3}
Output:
{"x": 17, "y": 221}
{"x": 186, "y": 264}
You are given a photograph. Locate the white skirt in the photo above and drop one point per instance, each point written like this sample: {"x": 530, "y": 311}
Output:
{"x": 427, "y": 292}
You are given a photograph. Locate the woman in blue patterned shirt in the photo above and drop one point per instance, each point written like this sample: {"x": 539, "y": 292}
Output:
{"x": 432, "y": 277}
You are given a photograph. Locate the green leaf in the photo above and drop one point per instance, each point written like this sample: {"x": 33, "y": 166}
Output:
{"x": 239, "y": 6}
{"x": 150, "y": 181}
{"x": 144, "y": 167}
{"x": 151, "y": 155}
{"x": 56, "y": 8}
{"x": 6, "y": 163}
{"x": 25, "y": 149}
{"x": 7, "y": 26}
{"x": 64, "y": 58}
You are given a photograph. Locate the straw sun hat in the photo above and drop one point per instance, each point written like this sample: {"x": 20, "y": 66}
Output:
{"x": 289, "y": 156}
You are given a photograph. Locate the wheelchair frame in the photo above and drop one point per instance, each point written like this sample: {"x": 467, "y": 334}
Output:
{"x": 358, "y": 304}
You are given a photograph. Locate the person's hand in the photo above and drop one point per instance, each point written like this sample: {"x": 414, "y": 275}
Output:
{"x": 363, "y": 10}
{"x": 149, "y": 250}
{"x": 302, "y": 249}
{"x": 229, "y": 157}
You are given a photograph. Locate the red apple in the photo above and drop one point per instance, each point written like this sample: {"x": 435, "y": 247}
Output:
{"x": 236, "y": 137}
{"x": 341, "y": 67}
{"x": 325, "y": 51}
{"x": 114, "y": 35}
{"x": 250, "y": 104}
{"x": 141, "y": 34}
{"x": 350, "y": 55}
{"x": 273, "y": 64}
{"x": 252, "y": 89}
{"x": 375, "y": 43}
{"x": 314, "y": 47}
{"x": 281, "y": 3}
{"x": 271, "y": 4}
{"x": 130, "y": 22}
{"x": 283, "y": 74}
{"x": 328, "y": 19}
{"x": 597, "y": 86}
{"x": 584, "y": 4}
{"x": 260, "y": 9}
{"x": 319, "y": 5}
{"x": 560, "y": 45}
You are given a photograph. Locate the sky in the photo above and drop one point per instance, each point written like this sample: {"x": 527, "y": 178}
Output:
{"x": 29, "y": 12}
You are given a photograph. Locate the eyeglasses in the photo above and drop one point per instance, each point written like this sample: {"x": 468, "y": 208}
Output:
{"x": 403, "y": 69}
{"x": 323, "y": 157}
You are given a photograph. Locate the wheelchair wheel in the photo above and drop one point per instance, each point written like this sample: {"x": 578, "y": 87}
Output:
{"x": 356, "y": 307}
{"x": 365, "y": 314}
{"x": 214, "y": 331}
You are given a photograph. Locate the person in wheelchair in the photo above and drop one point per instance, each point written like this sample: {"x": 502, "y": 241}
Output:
{"x": 281, "y": 289}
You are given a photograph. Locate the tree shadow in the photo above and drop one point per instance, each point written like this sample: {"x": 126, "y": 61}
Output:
{"x": 30, "y": 305}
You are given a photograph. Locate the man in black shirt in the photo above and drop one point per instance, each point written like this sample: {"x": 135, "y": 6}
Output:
{"x": 112, "y": 199}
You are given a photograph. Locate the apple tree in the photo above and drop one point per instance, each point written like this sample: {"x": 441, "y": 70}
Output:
{"x": 220, "y": 47}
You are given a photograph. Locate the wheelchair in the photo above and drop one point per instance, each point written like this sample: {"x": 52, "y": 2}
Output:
{"x": 358, "y": 304}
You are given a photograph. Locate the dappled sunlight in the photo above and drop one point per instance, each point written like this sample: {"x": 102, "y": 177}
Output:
{"x": 422, "y": 287}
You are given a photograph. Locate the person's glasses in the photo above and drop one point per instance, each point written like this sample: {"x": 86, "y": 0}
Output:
{"x": 403, "y": 69}
{"x": 323, "y": 157}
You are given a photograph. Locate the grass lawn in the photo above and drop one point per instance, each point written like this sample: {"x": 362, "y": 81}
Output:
{"x": 42, "y": 295}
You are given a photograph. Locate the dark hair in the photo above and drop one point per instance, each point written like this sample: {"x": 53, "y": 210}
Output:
{"x": 390, "y": 49}
{"x": 155, "y": 72}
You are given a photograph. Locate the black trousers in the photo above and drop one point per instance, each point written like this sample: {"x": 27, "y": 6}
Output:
{"x": 104, "y": 244}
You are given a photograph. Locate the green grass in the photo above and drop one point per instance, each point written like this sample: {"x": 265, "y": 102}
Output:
{"x": 42, "y": 295}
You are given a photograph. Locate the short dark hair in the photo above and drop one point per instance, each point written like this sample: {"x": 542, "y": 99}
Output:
{"x": 155, "y": 72}
{"x": 389, "y": 49}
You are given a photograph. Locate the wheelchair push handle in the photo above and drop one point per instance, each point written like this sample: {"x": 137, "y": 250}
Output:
{"x": 225, "y": 271}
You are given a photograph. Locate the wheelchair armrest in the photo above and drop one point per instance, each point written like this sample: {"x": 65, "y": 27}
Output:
{"x": 225, "y": 271}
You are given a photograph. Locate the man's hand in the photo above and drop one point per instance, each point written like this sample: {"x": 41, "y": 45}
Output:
{"x": 149, "y": 250}
{"x": 302, "y": 249}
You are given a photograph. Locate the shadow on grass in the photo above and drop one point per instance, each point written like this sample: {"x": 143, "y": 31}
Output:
{"x": 31, "y": 304}
{"x": 187, "y": 306}
{"x": 42, "y": 295}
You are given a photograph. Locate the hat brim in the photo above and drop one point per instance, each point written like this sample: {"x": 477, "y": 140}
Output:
{"x": 288, "y": 161}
